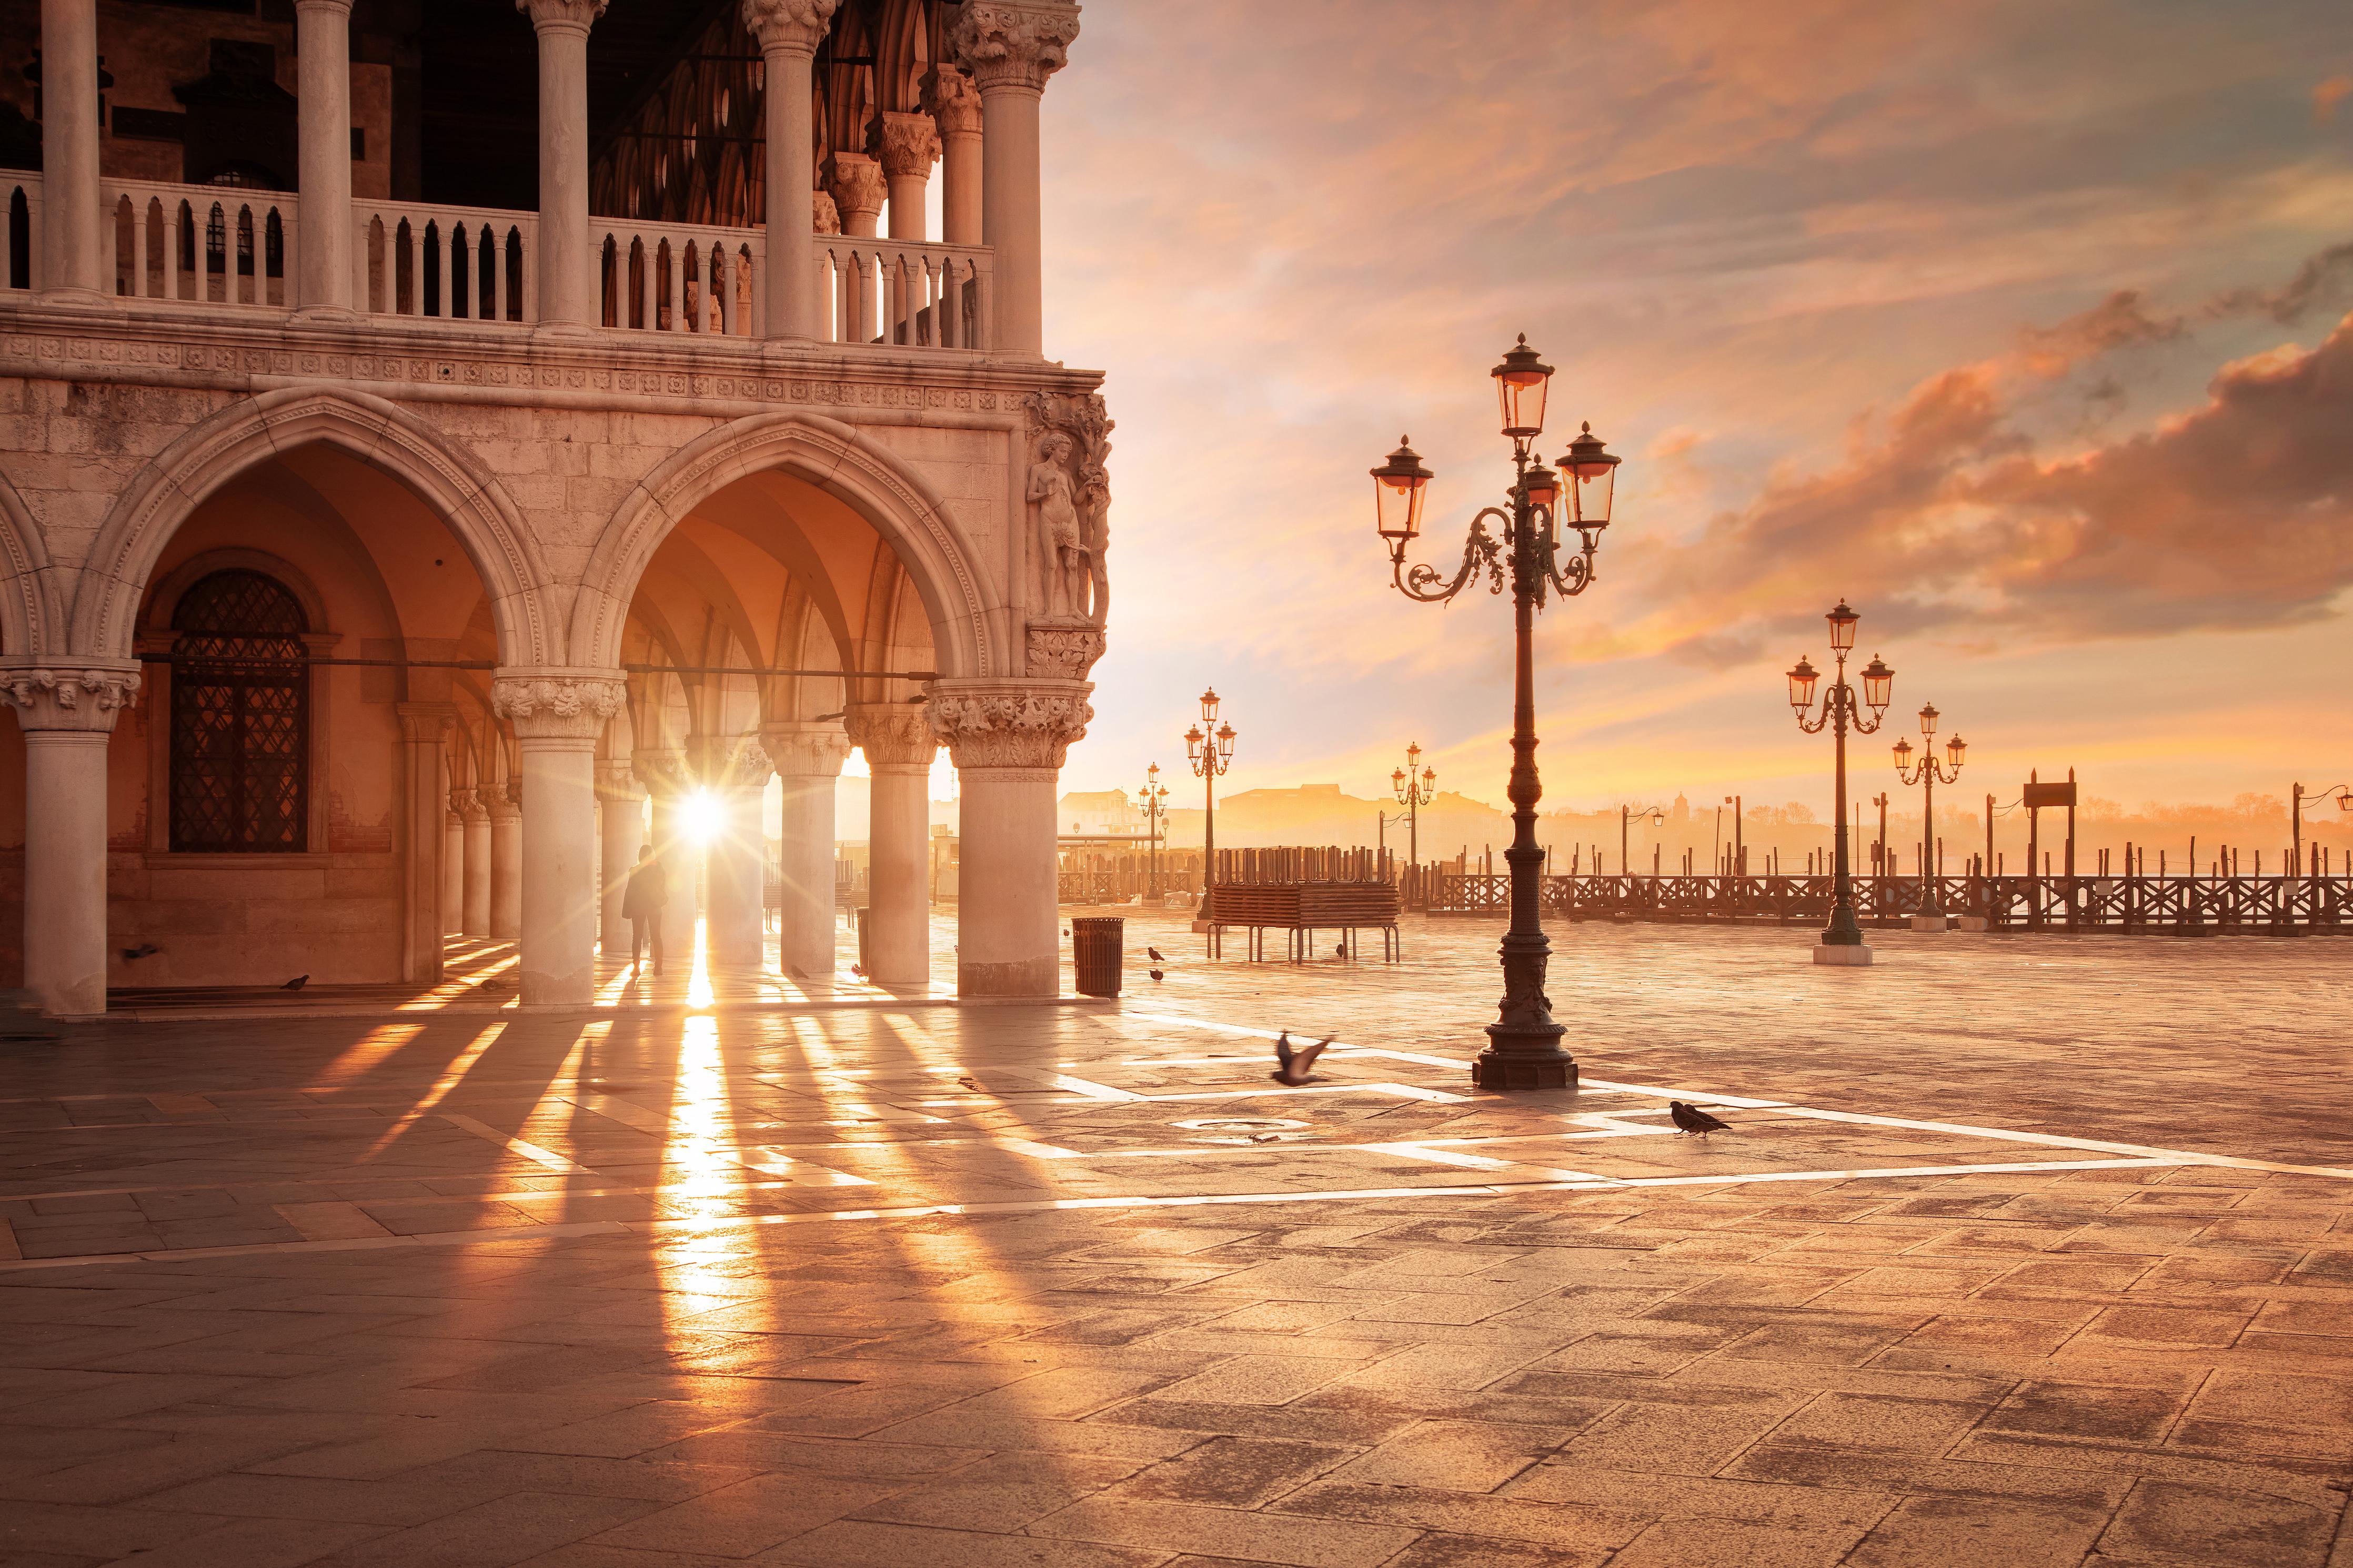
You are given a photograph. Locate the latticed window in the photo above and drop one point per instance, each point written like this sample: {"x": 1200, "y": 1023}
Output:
{"x": 240, "y": 718}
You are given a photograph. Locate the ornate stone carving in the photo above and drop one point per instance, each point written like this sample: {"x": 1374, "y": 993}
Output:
{"x": 1010, "y": 725}
{"x": 1063, "y": 649}
{"x": 952, "y": 101}
{"x": 824, "y": 216}
{"x": 468, "y": 805}
{"x": 662, "y": 771}
{"x": 891, "y": 733}
{"x": 733, "y": 762}
{"x": 615, "y": 782}
{"x": 558, "y": 705}
{"x": 546, "y": 14}
{"x": 797, "y": 26}
{"x": 504, "y": 802}
{"x": 48, "y": 699}
{"x": 1069, "y": 505}
{"x": 426, "y": 721}
{"x": 857, "y": 187}
{"x": 805, "y": 750}
{"x": 906, "y": 145}
{"x": 1013, "y": 42}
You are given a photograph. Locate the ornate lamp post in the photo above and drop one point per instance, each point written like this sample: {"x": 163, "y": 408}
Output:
{"x": 1842, "y": 938}
{"x": 2344, "y": 798}
{"x": 1626, "y": 814}
{"x": 1413, "y": 790}
{"x": 1154, "y": 795}
{"x": 1928, "y": 775}
{"x": 1524, "y": 1043}
{"x": 1211, "y": 753}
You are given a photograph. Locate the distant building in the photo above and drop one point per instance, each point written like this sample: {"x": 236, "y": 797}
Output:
{"x": 1099, "y": 811}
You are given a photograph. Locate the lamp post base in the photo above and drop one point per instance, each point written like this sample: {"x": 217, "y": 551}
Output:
{"x": 1521, "y": 1056}
{"x": 1929, "y": 922}
{"x": 1845, "y": 955}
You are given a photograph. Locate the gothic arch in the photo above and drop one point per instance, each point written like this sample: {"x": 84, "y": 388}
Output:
{"x": 958, "y": 590}
{"x": 179, "y": 478}
{"x": 30, "y": 614}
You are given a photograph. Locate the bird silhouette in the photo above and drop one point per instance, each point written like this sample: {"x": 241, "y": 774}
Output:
{"x": 1153, "y": 954}
{"x": 1688, "y": 1120}
{"x": 133, "y": 955}
{"x": 1156, "y": 974}
{"x": 296, "y": 983}
{"x": 1291, "y": 1070}
{"x": 1341, "y": 951}
{"x": 969, "y": 1083}
{"x": 856, "y": 972}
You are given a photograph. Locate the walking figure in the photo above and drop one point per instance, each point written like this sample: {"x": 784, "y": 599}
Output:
{"x": 642, "y": 905}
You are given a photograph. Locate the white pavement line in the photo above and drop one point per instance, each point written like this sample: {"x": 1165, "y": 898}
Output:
{"x": 1062, "y": 1080}
{"x": 1335, "y": 1049}
{"x": 547, "y": 1157}
{"x": 1402, "y": 1090}
{"x": 774, "y": 1162}
{"x": 1474, "y": 1161}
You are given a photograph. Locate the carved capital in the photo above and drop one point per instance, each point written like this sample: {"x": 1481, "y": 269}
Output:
{"x": 953, "y": 101}
{"x": 1013, "y": 42}
{"x": 857, "y": 187}
{"x": 733, "y": 762}
{"x": 468, "y": 805}
{"x": 426, "y": 722}
{"x": 824, "y": 216}
{"x": 906, "y": 145}
{"x": 344, "y": 7}
{"x": 805, "y": 750}
{"x": 892, "y": 734}
{"x": 47, "y": 697}
{"x": 663, "y": 772}
{"x": 615, "y": 783}
{"x": 558, "y": 704}
{"x": 561, "y": 15}
{"x": 1027, "y": 724}
{"x": 789, "y": 26}
{"x": 1064, "y": 649}
{"x": 504, "y": 802}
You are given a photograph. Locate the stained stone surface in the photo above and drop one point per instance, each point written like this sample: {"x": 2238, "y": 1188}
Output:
{"x": 2019, "y": 1251}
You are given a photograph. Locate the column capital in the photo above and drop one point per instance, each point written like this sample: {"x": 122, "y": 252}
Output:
{"x": 906, "y": 145}
{"x": 556, "y": 704}
{"x": 344, "y": 6}
{"x": 892, "y": 734}
{"x": 952, "y": 101}
{"x": 1063, "y": 647}
{"x": 615, "y": 781}
{"x": 805, "y": 750}
{"x": 1013, "y": 44}
{"x": 824, "y": 216}
{"x": 503, "y": 802}
{"x": 468, "y": 805}
{"x": 789, "y": 26}
{"x": 70, "y": 697}
{"x": 663, "y": 771}
{"x": 857, "y": 187}
{"x": 1020, "y": 724}
{"x": 734, "y": 762}
{"x": 426, "y": 721}
{"x": 561, "y": 16}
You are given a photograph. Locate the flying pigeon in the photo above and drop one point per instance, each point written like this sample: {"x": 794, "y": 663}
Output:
{"x": 1156, "y": 974}
{"x": 1153, "y": 954}
{"x": 1688, "y": 1120}
{"x": 132, "y": 954}
{"x": 296, "y": 983}
{"x": 1293, "y": 1065}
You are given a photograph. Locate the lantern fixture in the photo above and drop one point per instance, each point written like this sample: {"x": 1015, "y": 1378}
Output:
{"x": 1903, "y": 754}
{"x": 1541, "y": 483}
{"x": 1209, "y": 706}
{"x": 1398, "y": 486}
{"x": 1225, "y": 742}
{"x": 1521, "y": 382}
{"x": 1841, "y": 622}
{"x": 1592, "y": 473}
{"x": 1929, "y": 720}
{"x": 1955, "y": 749}
{"x": 1801, "y": 685}
{"x": 1193, "y": 744}
{"x": 1877, "y": 681}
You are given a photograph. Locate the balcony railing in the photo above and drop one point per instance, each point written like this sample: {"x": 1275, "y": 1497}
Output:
{"x": 235, "y": 249}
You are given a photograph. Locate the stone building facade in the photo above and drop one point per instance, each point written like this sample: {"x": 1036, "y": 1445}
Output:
{"x": 378, "y": 570}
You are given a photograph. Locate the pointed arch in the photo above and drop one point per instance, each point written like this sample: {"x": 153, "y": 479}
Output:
{"x": 32, "y": 614}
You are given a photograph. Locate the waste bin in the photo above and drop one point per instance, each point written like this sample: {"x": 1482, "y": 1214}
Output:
{"x": 1096, "y": 950}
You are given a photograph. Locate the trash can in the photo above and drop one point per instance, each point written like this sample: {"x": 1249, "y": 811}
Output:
{"x": 1096, "y": 951}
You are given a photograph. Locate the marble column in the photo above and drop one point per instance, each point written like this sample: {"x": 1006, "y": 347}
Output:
{"x": 898, "y": 748}
{"x": 954, "y": 104}
{"x": 557, "y": 716}
{"x": 425, "y": 769}
{"x": 788, "y": 32}
{"x": 1010, "y": 47}
{"x": 663, "y": 772}
{"x": 453, "y": 870}
{"x": 568, "y": 294}
{"x": 474, "y": 807}
{"x": 807, "y": 759}
{"x": 324, "y": 240}
{"x": 73, "y": 252}
{"x": 67, "y": 714}
{"x": 1009, "y": 739}
{"x": 504, "y": 801}
{"x": 856, "y": 184}
{"x": 907, "y": 146}
{"x": 735, "y": 774}
{"x": 623, "y": 826}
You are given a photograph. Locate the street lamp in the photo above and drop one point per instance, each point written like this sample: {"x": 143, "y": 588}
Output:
{"x": 1928, "y": 775}
{"x": 1625, "y": 814}
{"x": 1211, "y": 753}
{"x": 1524, "y": 1047}
{"x": 1414, "y": 790}
{"x": 2344, "y": 797}
{"x": 1842, "y": 938}
{"x": 1154, "y": 795}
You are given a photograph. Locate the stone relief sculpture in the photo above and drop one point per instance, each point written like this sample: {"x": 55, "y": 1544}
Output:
{"x": 1070, "y": 498}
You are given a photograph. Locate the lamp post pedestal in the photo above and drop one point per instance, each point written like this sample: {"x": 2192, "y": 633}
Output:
{"x": 1845, "y": 955}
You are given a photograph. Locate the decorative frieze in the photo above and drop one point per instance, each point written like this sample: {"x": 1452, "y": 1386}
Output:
{"x": 1013, "y": 42}
{"x": 1064, "y": 649}
{"x": 574, "y": 705}
{"x": 1010, "y": 725}
{"x": 68, "y": 699}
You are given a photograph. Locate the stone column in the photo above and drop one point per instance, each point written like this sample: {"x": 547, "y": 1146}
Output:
{"x": 453, "y": 870}
{"x": 323, "y": 42}
{"x": 73, "y": 254}
{"x": 1010, "y": 47}
{"x": 568, "y": 295}
{"x": 735, "y": 773}
{"x": 789, "y": 32}
{"x": 858, "y": 189}
{"x": 1009, "y": 739}
{"x": 557, "y": 715}
{"x": 624, "y": 828}
{"x": 67, "y": 715}
{"x": 906, "y": 145}
{"x": 426, "y": 783}
{"x": 474, "y": 807}
{"x": 954, "y": 104}
{"x": 807, "y": 759}
{"x": 899, "y": 747}
{"x": 504, "y": 802}
{"x": 664, "y": 775}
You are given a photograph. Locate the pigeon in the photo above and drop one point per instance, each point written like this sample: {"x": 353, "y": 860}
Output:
{"x": 969, "y": 1082}
{"x": 1154, "y": 954}
{"x": 1293, "y": 1065}
{"x": 133, "y": 955}
{"x": 856, "y": 972}
{"x": 296, "y": 983}
{"x": 1341, "y": 951}
{"x": 1156, "y": 974}
{"x": 1688, "y": 1120}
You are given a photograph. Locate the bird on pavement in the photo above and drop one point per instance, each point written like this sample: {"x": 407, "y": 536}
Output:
{"x": 132, "y": 954}
{"x": 1290, "y": 1068}
{"x": 1341, "y": 951}
{"x": 1690, "y": 1119}
{"x": 1156, "y": 974}
{"x": 296, "y": 983}
{"x": 1153, "y": 954}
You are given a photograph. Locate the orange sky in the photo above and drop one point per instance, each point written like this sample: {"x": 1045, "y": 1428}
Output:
{"x": 2017, "y": 324}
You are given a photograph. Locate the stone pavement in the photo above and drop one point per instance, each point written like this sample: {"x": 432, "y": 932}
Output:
{"x": 2022, "y": 1251}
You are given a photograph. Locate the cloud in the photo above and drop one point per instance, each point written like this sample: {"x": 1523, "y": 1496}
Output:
{"x": 2328, "y": 95}
{"x": 2321, "y": 279}
{"x": 2119, "y": 321}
